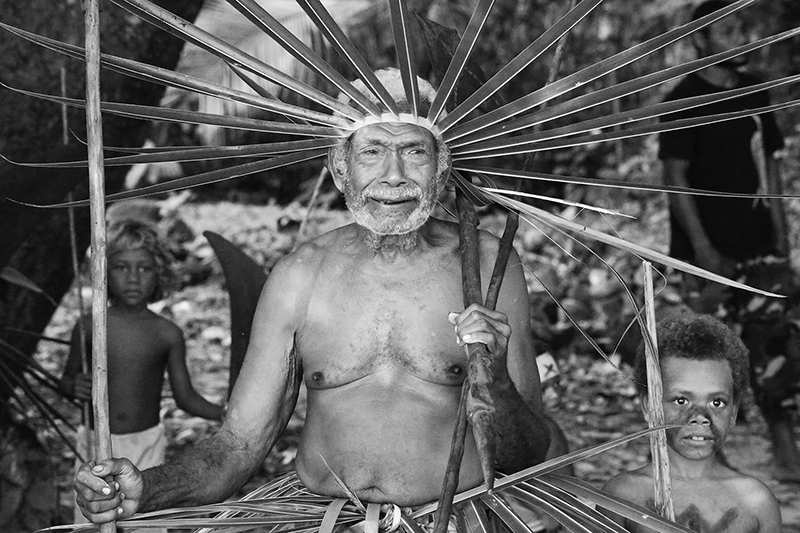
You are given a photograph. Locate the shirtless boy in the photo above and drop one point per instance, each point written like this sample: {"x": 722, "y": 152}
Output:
{"x": 141, "y": 346}
{"x": 704, "y": 369}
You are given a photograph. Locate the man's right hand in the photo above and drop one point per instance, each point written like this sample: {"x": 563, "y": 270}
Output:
{"x": 109, "y": 490}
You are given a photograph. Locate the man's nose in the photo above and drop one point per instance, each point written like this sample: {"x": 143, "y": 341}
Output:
{"x": 133, "y": 275}
{"x": 394, "y": 174}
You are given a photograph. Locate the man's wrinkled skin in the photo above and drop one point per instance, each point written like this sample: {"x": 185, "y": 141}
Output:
{"x": 367, "y": 316}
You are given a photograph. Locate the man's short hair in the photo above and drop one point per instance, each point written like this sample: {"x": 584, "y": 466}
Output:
{"x": 700, "y": 338}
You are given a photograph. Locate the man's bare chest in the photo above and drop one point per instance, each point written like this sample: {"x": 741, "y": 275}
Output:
{"x": 361, "y": 325}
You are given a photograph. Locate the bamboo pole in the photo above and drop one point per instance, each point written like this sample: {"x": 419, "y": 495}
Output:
{"x": 94, "y": 127}
{"x": 658, "y": 440}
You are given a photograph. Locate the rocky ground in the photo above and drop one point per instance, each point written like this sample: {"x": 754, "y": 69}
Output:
{"x": 591, "y": 400}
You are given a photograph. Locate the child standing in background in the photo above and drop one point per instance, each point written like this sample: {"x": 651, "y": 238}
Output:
{"x": 704, "y": 369}
{"x": 141, "y": 346}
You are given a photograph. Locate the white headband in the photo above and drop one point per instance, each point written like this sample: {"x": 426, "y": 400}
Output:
{"x": 406, "y": 118}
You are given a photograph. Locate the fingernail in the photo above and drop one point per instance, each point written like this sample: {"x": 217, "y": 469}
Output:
{"x": 119, "y": 510}
{"x": 116, "y": 485}
{"x": 97, "y": 468}
{"x": 467, "y": 338}
{"x": 106, "y": 490}
{"x": 122, "y": 495}
{"x": 452, "y": 316}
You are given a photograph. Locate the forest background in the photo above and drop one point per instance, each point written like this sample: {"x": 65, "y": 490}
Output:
{"x": 262, "y": 214}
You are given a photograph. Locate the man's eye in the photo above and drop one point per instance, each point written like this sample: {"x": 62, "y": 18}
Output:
{"x": 680, "y": 400}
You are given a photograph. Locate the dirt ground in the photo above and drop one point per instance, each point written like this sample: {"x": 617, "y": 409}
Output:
{"x": 591, "y": 400}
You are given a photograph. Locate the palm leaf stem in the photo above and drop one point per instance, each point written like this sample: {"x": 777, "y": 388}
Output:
{"x": 560, "y": 201}
{"x": 187, "y": 31}
{"x": 506, "y": 514}
{"x": 597, "y": 182}
{"x": 325, "y": 23}
{"x": 205, "y": 178}
{"x": 580, "y": 229}
{"x": 30, "y": 365}
{"x": 626, "y": 88}
{"x": 579, "y": 513}
{"x": 261, "y": 91}
{"x": 13, "y": 380}
{"x": 200, "y": 153}
{"x": 163, "y": 76}
{"x": 37, "y": 335}
{"x": 301, "y": 52}
{"x": 588, "y": 74}
{"x": 460, "y": 57}
{"x": 482, "y": 150}
{"x": 546, "y": 467}
{"x": 516, "y": 65}
{"x": 401, "y": 22}
{"x": 560, "y": 515}
{"x": 624, "y": 508}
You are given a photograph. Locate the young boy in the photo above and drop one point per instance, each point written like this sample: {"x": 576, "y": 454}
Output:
{"x": 704, "y": 369}
{"x": 141, "y": 346}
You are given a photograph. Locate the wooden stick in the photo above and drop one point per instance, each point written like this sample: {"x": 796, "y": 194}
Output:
{"x": 658, "y": 440}
{"x": 450, "y": 485}
{"x": 94, "y": 127}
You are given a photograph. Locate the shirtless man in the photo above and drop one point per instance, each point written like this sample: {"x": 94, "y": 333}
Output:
{"x": 704, "y": 369}
{"x": 365, "y": 316}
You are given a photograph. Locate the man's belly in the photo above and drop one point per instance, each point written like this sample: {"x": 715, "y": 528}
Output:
{"x": 385, "y": 442}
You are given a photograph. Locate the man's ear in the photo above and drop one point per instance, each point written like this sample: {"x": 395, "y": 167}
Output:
{"x": 337, "y": 177}
{"x": 443, "y": 177}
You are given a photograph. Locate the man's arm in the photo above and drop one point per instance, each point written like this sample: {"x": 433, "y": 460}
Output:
{"x": 261, "y": 405}
{"x": 186, "y": 396}
{"x": 515, "y": 392}
{"x": 706, "y": 256}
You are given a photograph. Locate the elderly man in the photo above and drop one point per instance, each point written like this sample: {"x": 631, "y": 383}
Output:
{"x": 365, "y": 316}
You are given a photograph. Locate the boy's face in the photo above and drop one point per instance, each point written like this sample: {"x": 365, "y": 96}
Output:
{"x": 699, "y": 396}
{"x": 132, "y": 277}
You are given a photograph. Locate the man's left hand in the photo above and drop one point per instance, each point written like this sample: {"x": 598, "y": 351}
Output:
{"x": 480, "y": 324}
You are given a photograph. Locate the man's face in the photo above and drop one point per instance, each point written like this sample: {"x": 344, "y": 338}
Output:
{"x": 725, "y": 35}
{"x": 391, "y": 183}
{"x": 699, "y": 396}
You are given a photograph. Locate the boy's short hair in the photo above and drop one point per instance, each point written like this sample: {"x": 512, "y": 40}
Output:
{"x": 124, "y": 235}
{"x": 701, "y": 338}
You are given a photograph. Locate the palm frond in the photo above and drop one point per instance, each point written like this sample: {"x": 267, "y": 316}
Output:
{"x": 516, "y": 65}
{"x": 582, "y": 77}
{"x": 401, "y": 29}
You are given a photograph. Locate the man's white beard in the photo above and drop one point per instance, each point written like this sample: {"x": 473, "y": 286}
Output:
{"x": 391, "y": 226}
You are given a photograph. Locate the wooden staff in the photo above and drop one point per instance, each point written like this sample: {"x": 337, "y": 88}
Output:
{"x": 467, "y": 221}
{"x": 94, "y": 127}
{"x": 658, "y": 440}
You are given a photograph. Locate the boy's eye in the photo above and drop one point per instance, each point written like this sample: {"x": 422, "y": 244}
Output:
{"x": 718, "y": 402}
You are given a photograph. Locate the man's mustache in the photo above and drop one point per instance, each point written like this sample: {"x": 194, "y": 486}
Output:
{"x": 393, "y": 194}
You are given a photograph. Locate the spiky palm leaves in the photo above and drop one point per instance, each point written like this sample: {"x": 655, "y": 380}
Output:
{"x": 499, "y": 133}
